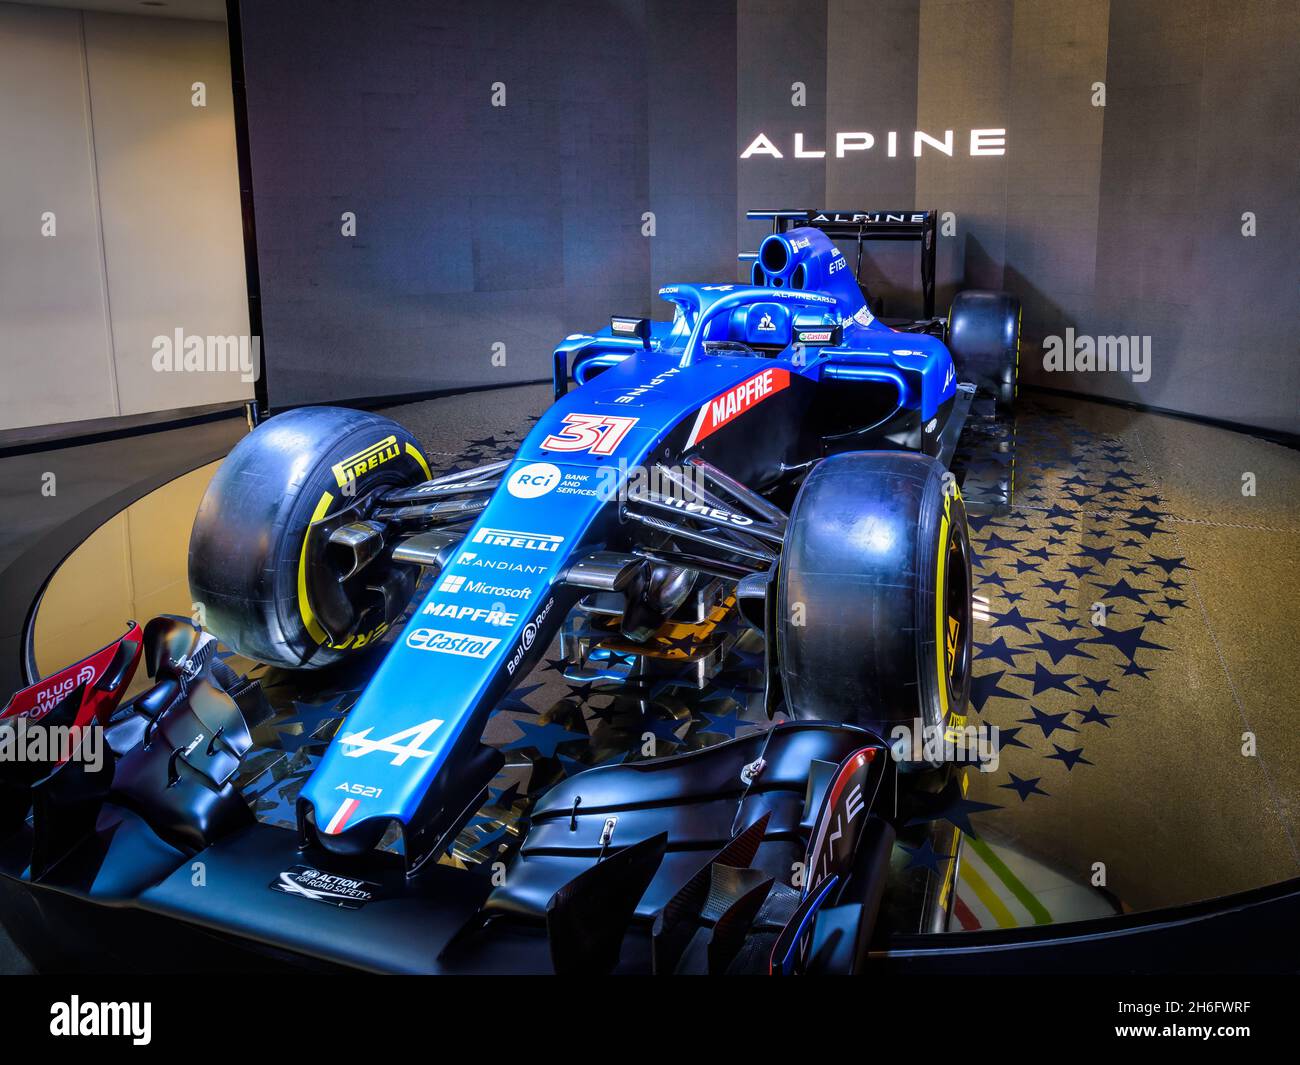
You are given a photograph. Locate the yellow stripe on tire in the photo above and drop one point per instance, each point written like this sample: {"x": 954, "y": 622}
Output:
{"x": 940, "y": 615}
{"x": 309, "y": 621}
{"x": 415, "y": 454}
{"x": 304, "y": 606}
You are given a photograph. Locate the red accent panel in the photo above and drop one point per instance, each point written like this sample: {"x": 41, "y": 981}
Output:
{"x": 736, "y": 401}
{"x": 43, "y": 696}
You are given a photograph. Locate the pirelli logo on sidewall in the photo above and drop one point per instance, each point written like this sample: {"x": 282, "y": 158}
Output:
{"x": 736, "y": 401}
{"x": 352, "y": 467}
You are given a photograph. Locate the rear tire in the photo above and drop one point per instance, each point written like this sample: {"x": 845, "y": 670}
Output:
{"x": 253, "y": 548}
{"x": 984, "y": 338}
{"x": 874, "y": 595}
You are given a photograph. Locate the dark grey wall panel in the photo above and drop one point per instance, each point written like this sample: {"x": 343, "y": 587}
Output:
{"x": 1249, "y": 130}
{"x": 1058, "y": 52}
{"x": 1147, "y": 244}
{"x": 780, "y": 42}
{"x": 692, "y": 99}
{"x": 476, "y": 225}
{"x": 1126, "y": 220}
{"x": 965, "y": 77}
{"x": 873, "y": 90}
{"x": 480, "y": 225}
{"x": 1201, "y": 126}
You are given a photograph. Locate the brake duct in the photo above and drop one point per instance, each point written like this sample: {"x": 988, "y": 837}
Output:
{"x": 417, "y": 524}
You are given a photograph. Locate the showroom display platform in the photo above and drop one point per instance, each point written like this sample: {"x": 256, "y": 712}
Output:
{"x": 1107, "y": 724}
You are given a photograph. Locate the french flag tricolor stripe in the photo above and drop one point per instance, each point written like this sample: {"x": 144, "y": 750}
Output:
{"x": 340, "y": 819}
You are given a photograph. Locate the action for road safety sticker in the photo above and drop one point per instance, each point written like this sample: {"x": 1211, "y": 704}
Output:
{"x": 309, "y": 883}
{"x": 735, "y": 401}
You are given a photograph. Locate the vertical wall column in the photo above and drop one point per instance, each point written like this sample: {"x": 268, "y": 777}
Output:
{"x": 779, "y": 42}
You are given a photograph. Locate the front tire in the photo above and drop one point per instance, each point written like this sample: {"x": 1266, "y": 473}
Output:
{"x": 258, "y": 541}
{"x": 874, "y": 595}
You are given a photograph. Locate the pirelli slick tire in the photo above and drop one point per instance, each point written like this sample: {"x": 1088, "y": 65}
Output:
{"x": 874, "y": 596}
{"x": 258, "y": 546}
{"x": 984, "y": 339}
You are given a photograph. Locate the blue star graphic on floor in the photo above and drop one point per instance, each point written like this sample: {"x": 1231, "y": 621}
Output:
{"x": 1024, "y": 788}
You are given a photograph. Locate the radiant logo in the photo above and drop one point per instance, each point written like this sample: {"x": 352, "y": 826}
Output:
{"x": 470, "y": 558}
{"x": 533, "y": 480}
{"x": 524, "y": 540}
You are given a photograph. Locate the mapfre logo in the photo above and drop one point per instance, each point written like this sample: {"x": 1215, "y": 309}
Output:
{"x": 736, "y": 401}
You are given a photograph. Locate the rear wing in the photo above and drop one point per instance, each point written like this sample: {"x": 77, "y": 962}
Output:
{"x": 862, "y": 226}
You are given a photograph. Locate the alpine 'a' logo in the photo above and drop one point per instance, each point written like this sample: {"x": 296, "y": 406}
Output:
{"x": 401, "y": 745}
{"x": 735, "y": 401}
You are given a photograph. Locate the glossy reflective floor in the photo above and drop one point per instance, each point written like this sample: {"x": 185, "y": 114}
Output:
{"x": 1135, "y": 632}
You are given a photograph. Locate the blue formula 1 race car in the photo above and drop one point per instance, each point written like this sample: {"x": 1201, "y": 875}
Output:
{"x": 773, "y": 458}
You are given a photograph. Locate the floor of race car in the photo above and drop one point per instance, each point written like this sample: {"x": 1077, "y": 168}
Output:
{"x": 1132, "y": 641}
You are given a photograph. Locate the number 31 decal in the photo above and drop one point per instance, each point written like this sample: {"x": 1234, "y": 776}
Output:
{"x": 598, "y": 433}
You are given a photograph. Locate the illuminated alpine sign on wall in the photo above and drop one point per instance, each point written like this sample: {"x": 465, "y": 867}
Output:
{"x": 978, "y": 142}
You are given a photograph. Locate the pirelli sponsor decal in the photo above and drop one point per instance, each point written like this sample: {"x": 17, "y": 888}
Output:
{"x": 736, "y": 401}
{"x": 377, "y": 454}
